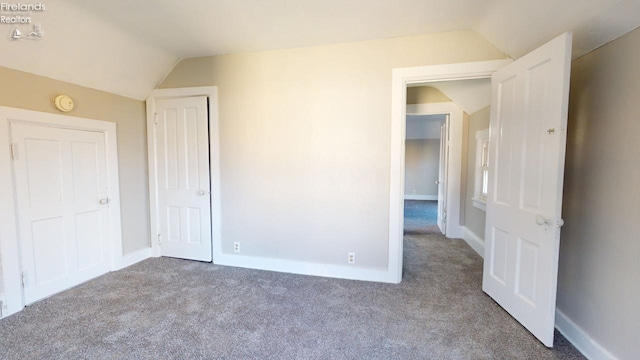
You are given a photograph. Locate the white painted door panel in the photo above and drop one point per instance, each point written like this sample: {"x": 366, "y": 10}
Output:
{"x": 184, "y": 203}
{"x": 527, "y": 148}
{"x": 64, "y": 230}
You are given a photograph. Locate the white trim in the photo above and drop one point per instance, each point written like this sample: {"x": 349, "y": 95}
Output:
{"x": 402, "y": 77}
{"x": 306, "y": 268}
{"x": 479, "y": 202}
{"x": 134, "y": 257}
{"x": 475, "y": 241}
{"x": 211, "y": 92}
{"x": 590, "y": 348}
{"x": 421, "y": 197}
{"x": 9, "y": 245}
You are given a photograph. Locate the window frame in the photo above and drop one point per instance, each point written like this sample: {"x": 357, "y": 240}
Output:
{"x": 481, "y": 170}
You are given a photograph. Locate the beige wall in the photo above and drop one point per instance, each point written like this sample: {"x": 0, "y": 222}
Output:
{"x": 305, "y": 142}
{"x": 27, "y": 91}
{"x": 425, "y": 95}
{"x": 422, "y": 161}
{"x": 474, "y": 218}
{"x": 599, "y": 273}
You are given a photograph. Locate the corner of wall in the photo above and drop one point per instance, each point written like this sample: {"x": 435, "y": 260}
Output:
{"x": 476, "y": 242}
{"x": 590, "y": 348}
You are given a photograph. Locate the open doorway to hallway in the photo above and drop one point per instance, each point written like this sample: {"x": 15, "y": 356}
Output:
{"x": 425, "y": 166}
{"x": 441, "y": 191}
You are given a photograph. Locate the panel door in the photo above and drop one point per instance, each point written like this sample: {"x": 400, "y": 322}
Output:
{"x": 184, "y": 202}
{"x": 526, "y": 162}
{"x": 62, "y": 204}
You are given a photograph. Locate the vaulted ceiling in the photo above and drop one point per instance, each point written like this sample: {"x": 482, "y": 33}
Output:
{"x": 127, "y": 46}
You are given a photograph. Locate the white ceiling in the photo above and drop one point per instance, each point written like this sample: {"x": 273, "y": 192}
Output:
{"x": 128, "y": 46}
{"x": 469, "y": 95}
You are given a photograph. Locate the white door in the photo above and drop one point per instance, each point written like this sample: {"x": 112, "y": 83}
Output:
{"x": 442, "y": 176}
{"x": 184, "y": 203}
{"x": 526, "y": 161}
{"x": 61, "y": 193}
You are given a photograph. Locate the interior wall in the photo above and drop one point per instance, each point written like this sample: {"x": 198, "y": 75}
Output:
{"x": 474, "y": 218}
{"x": 422, "y": 160}
{"x": 32, "y": 92}
{"x": 598, "y": 287}
{"x": 305, "y": 145}
{"x": 425, "y": 95}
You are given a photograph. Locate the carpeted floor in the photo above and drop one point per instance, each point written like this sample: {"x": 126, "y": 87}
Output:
{"x": 175, "y": 309}
{"x": 420, "y": 217}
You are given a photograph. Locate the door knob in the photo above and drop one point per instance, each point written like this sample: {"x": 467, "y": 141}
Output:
{"x": 437, "y": 182}
{"x": 104, "y": 201}
{"x": 201, "y": 192}
{"x": 540, "y": 220}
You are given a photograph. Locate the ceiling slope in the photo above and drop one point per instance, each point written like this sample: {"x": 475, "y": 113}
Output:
{"x": 83, "y": 49}
{"x": 127, "y": 46}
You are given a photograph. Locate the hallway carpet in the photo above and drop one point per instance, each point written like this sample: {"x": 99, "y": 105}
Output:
{"x": 175, "y": 309}
{"x": 420, "y": 217}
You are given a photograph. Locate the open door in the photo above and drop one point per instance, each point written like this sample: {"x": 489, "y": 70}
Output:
{"x": 442, "y": 176}
{"x": 526, "y": 161}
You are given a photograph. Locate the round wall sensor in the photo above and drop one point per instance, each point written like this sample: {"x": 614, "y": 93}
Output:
{"x": 63, "y": 103}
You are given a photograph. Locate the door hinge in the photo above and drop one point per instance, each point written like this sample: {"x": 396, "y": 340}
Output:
{"x": 14, "y": 151}
{"x": 159, "y": 239}
{"x": 155, "y": 118}
{"x": 24, "y": 279}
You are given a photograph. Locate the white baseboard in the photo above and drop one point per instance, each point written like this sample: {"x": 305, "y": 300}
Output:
{"x": 134, "y": 257}
{"x": 475, "y": 241}
{"x": 590, "y": 348}
{"x": 305, "y": 268}
{"x": 421, "y": 197}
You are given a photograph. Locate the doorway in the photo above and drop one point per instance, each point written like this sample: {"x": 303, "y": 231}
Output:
{"x": 425, "y": 172}
{"x": 420, "y": 75}
{"x": 526, "y": 157}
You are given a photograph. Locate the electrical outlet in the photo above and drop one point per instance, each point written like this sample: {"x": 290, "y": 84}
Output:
{"x": 236, "y": 247}
{"x": 351, "y": 258}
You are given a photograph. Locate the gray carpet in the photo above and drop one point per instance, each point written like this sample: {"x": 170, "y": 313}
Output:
{"x": 176, "y": 309}
{"x": 420, "y": 217}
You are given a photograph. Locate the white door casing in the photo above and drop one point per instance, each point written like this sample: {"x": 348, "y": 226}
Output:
{"x": 442, "y": 176}
{"x": 182, "y": 156}
{"x": 526, "y": 161}
{"x": 9, "y": 239}
{"x": 401, "y": 78}
{"x": 62, "y": 207}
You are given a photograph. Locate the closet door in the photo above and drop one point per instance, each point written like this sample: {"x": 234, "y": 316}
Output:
{"x": 61, "y": 186}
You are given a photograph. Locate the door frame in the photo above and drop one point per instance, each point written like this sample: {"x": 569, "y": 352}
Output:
{"x": 401, "y": 77}
{"x": 9, "y": 240}
{"x": 211, "y": 92}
